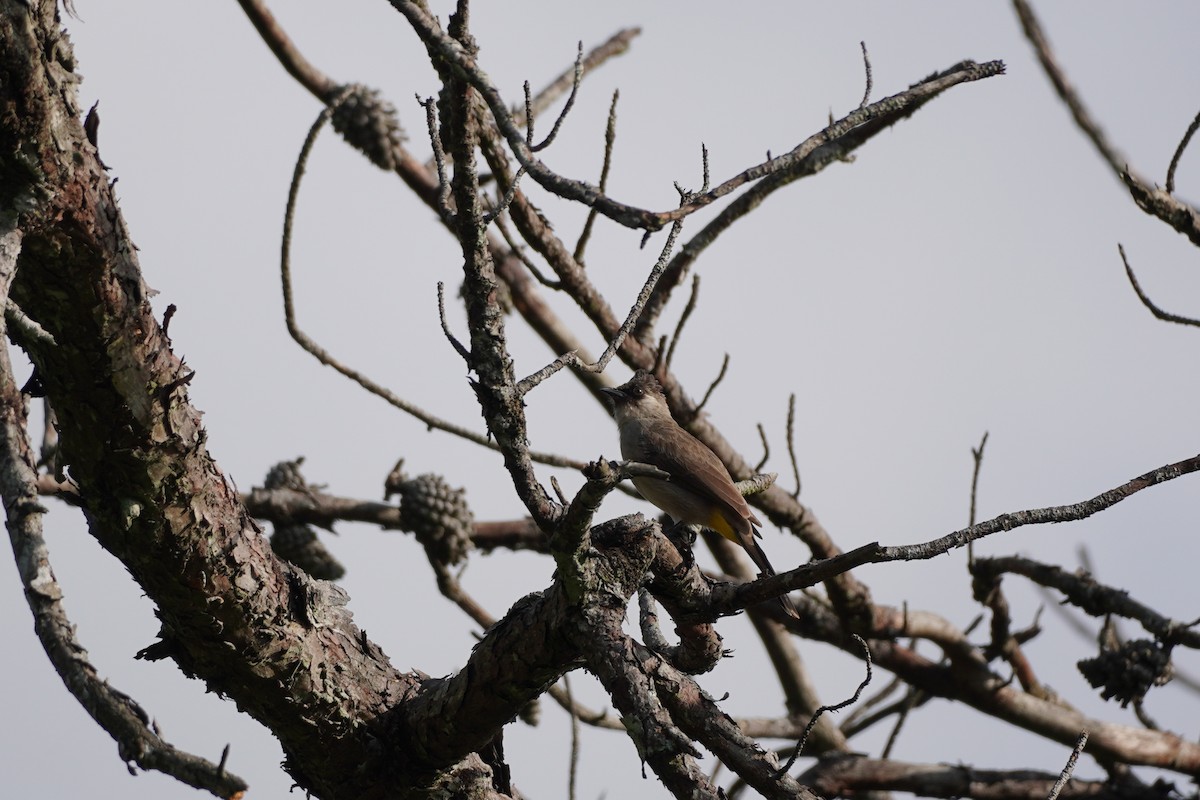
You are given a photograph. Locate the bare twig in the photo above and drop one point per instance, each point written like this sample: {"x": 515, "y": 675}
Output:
{"x": 519, "y": 251}
{"x": 851, "y": 722}
{"x": 836, "y": 706}
{"x": 527, "y": 384}
{"x": 458, "y": 346}
{"x": 870, "y": 77}
{"x": 911, "y": 700}
{"x": 1165, "y": 316}
{"x": 811, "y": 156}
{"x": 712, "y": 387}
{"x": 1183, "y": 143}
{"x": 1039, "y": 516}
{"x": 977, "y": 456}
{"x": 1095, "y": 598}
{"x": 683, "y": 318}
{"x": 1069, "y": 769}
{"x": 506, "y": 200}
{"x": 529, "y": 117}
{"x": 439, "y": 156}
{"x": 610, "y": 138}
{"x": 1154, "y": 201}
{"x": 791, "y": 443}
{"x": 762, "y": 435}
{"x": 562, "y": 115}
{"x": 323, "y": 355}
{"x": 1041, "y": 46}
{"x": 1139, "y": 711}
{"x": 615, "y": 45}
{"x": 573, "y": 772}
{"x": 866, "y": 122}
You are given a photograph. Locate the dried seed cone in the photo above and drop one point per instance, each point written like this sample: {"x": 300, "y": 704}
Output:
{"x": 438, "y": 515}
{"x": 1127, "y": 672}
{"x": 370, "y": 124}
{"x": 299, "y": 545}
{"x": 286, "y": 475}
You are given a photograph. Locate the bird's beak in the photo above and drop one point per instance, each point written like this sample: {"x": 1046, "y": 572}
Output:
{"x": 614, "y": 395}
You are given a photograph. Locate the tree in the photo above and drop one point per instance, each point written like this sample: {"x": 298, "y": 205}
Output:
{"x": 155, "y": 499}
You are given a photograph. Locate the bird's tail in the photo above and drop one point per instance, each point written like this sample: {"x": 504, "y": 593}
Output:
{"x": 759, "y": 558}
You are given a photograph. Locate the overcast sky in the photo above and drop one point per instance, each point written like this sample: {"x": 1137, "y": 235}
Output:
{"x": 960, "y": 276}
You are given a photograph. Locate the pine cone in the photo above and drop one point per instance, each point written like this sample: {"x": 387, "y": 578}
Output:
{"x": 370, "y": 124}
{"x": 286, "y": 475}
{"x": 1127, "y": 672}
{"x": 438, "y": 515}
{"x": 299, "y": 545}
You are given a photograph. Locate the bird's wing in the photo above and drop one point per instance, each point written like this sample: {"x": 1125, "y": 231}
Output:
{"x": 703, "y": 473}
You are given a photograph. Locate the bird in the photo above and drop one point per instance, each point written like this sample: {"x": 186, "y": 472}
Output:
{"x": 700, "y": 490}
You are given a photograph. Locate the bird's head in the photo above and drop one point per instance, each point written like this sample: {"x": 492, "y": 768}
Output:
{"x": 640, "y": 398}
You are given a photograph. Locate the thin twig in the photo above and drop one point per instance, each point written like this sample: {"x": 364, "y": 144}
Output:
{"x": 527, "y": 384}
{"x": 861, "y": 123}
{"x": 1139, "y": 711}
{"x": 712, "y": 387}
{"x": 506, "y": 200}
{"x": 1039, "y": 516}
{"x": 1093, "y": 597}
{"x": 519, "y": 251}
{"x": 791, "y": 443}
{"x": 615, "y": 45}
{"x": 322, "y": 355}
{"x": 529, "y": 117}
{"x": 686, "y": 195}
{"x": 683, "y": 318}
{"x": 458, "y": 346}
{"x": 573, "y": 772}
{"x": 1061, "y": 783}
{"x": 610, "y": 138}
{"x": 1157, "y": 202}
{"x": 850, "y": 723}
{"x": 977, "y": 455}
{"x": 830, "y": 145}
{"x": 870, "y": 77}
{"x": 1083, "y": 120}
{"x": 1187, "y": 137}
{"x": 660, "y": 355}
{"x": 911, "y": 700}
{"x": 562, "y": 115}
{"x": 439, "y": 156}
{"x": 835, "y": 707}
{"x": 1165, "y": 316}
{"x": 762, "y": 435}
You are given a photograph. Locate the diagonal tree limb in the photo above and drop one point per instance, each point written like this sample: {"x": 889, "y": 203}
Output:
{"x": 866, "y": 121}
{"x": 1157, "y": 202}
{"x": 116, "y": 712}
